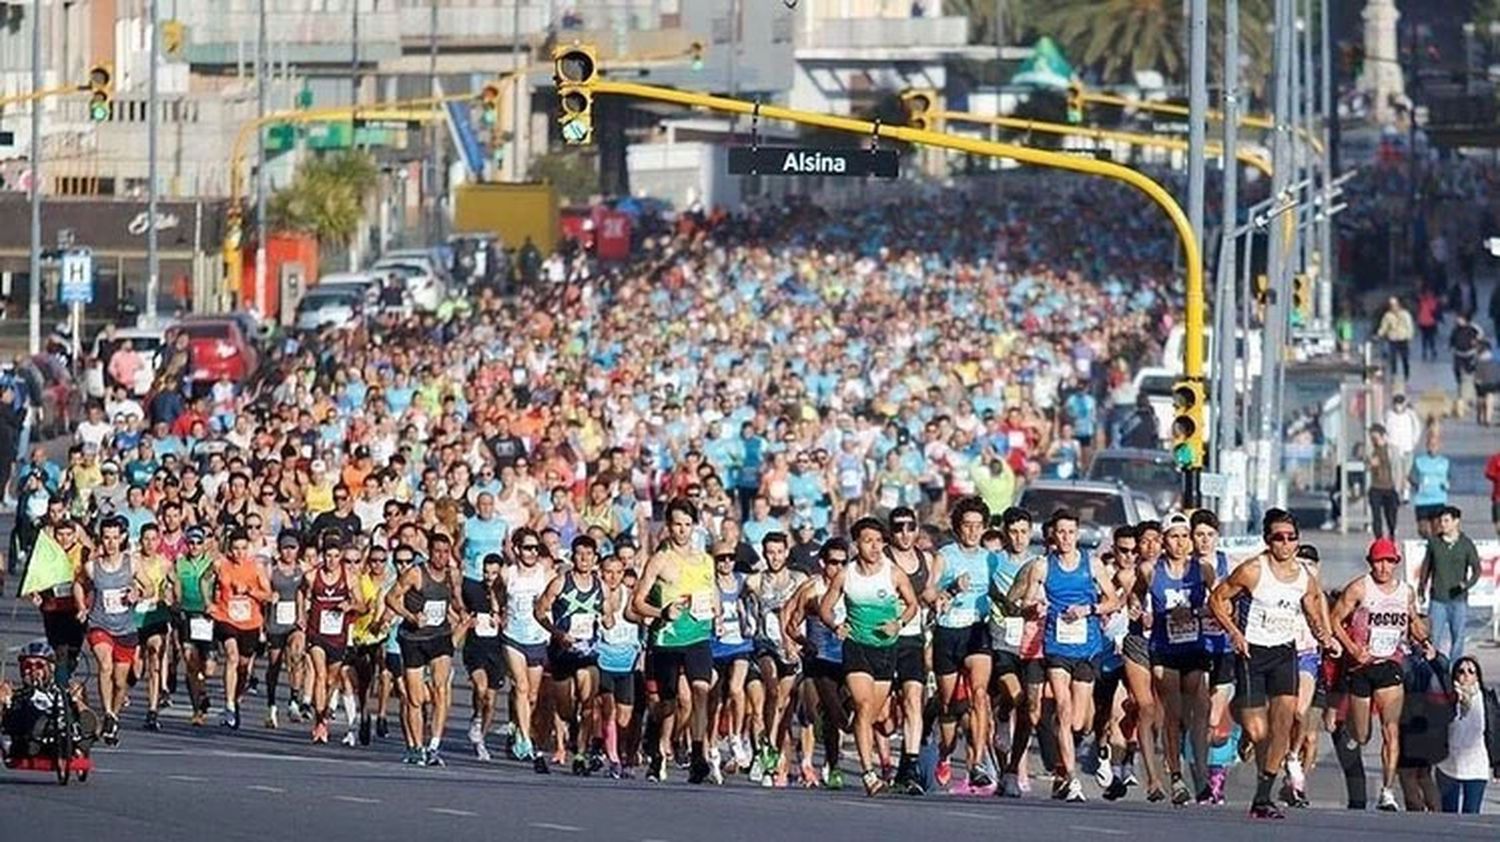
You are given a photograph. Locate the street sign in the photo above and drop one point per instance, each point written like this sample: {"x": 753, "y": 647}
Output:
{"x": 1213, "y": 485}
{"x": 77, "y": 285}
{"x": 812, "y": 160}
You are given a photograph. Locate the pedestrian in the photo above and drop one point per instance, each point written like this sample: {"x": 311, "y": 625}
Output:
{"x": 1449, "y": 570}
{"x": 10, "y": 432}
{"x": 1396, "y": 328}
{"x": 1465, "y": 342}
{"x": 1425, "y": 714}
{"x": 1385, "y": 502}
{"x": 1429, "y": 313}
{"x": 1473, "y": 740}
{"x": 1404, "y": 431}
{"x": 1486, "y": 385}
{"x": 1430, "y": 481}
{"x": 1492, "y": 473}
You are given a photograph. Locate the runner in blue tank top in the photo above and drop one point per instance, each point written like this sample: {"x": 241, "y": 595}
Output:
{"x": 1076, "y": 590}
{"x": 1216, "y": 645}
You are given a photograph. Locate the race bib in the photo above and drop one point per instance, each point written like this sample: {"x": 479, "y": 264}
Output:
{"x": 1182, "y": 631}
{"x": 701, "y": 606}
{"x": 1211, "y": 626}
{"x": 114, "y": 600}
{"x": 1277, "y": 625}
{"x": 581, "y": 627}
{"x": 145, "y": 606}
{"x": 621, "y": 634}
{"x": 285, "y": 613}
{"x": 733, "y": 634}
{"x": 1073, "y": 632}
{"x": 331, "y": 623}
{"x": 959, "y": 616}
{"x": 773, "y": 627}
{"x": 200, "y": 629}
{"x": 63, "y": 591}
{"x": 1384, "y": 640}
{"x": 434, "y": 612}
{"x": 890, "y": 498}
{"x": 1014, "y": 627}
{"x": 485, "y": 626}
{"x": 239, "y": 609}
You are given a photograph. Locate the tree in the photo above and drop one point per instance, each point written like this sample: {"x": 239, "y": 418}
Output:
{"x": 572, "y": 172}
{"x": 326, "y": 198}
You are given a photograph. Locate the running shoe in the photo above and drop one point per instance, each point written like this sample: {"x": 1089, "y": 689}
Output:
{"x": 833, "y": 777}
{"x": 914, "y": 786}
{"x": 1156, "y": 795}
{"x": 1127, "y": 770}
{"x": 1266, "y": 810}
{"x": 411, "y": 757}
{"x": 580, "y": 765}
{"x": 698, "y": 770}
{"x": 1116, "y": 790}
{"x": 432, "y": 757}
{"x": 874, "y": 784}
{"x": 1387, "y": 803}
{"x": 271, "y": 723}
{"x": 1010, "y": 786}
{"x": 1180, "y": 793}
{"x": 294, "y": 709}
{"x": 482, "y": 752}
{"x": 320, "y": 733}
{"x": 616, "y": 771}
{"x": 979, "y": 778}
{"x": 741, "y": 751}
{"x": 1105, "y": 774}
{"x": 539, "y": 765}
{"x": 715, "y": 771}
{"x": 364, "y": 730}
{"x": 1216, "y": 777}
{"x": 382, "y": 728}
{"x": 1074, "y": 792}
{"x": 656, "y": 768}
{"x": 111, "y": 731}
{"x": 476, "y": 731}
{"x": 758, "y": 768}
{"x": 230, "y": 719}
{"x": 350, "y": 740}
{"x": 943, "y": 774}
{"x": 153, "y": 721}
{"x": 809, "y": 775}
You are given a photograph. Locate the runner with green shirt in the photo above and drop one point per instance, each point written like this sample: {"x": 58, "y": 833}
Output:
{"x": 878, "y": 600}
{"x": 676, "y": 595}
{"x": 195, "y": 629}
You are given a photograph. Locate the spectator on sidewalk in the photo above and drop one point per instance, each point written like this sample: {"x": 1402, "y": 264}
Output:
{"x": 1486, "y": 385}
{"x": 1385, "y": 502}
{"x": 1492, "y": 473}
{"x": 1465, "y": 341}
{"x": 1426, "y": 711}
{"x": 1449, "y": 570}
{"x": 1397, "y": 328}
{"x": 1404, "y": 429}
{"x": 1430, "y": 483}
{"x": 1473, "y": 740}
{"x": 1429, "y": 313}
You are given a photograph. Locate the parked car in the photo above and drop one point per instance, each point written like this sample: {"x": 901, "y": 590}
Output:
{"x": 424, "y": 288}
{"x": 219, "y": 347}
{"x": 147, "y": 341}
{"x": 324, "y": 306}
{"x": 1100, "y": 506}
{"x": 62, "y": 400}
{"x": 1150, "y": 472}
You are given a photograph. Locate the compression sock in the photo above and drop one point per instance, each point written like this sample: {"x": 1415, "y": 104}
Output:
{"x": 1263, "y": 785}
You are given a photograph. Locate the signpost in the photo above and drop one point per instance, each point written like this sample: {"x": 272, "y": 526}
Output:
{"x": 812, "y": 160}
{"x": 77, "y": 289}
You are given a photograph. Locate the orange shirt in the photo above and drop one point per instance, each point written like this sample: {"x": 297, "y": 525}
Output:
{"x": 237, "y": 595}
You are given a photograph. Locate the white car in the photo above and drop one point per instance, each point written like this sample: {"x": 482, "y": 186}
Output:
{"x": 320, "y": 307}
{"x": 422, "y": 286}
{"x": 147, "y": 341}
{"x": 367, "y": 283}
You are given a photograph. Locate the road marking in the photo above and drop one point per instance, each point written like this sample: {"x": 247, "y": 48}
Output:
{"x": 186, "y": 778}
{"x": 1107, "y": 831}
{"x": 968, "y": 815}
{"x": 356, "y": 799}
{"x": 653, "y": 840}
{"x": 448, "y": 811}
{"x": 564, "y": 828}
{"x": 264, "y": 788}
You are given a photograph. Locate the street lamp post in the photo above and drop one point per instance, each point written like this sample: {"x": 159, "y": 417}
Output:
{"x": 153, "y": 124}
{"x": 34, "y": 306}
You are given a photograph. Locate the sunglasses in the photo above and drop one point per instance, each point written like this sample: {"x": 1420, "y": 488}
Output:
{"x": 904, "y": 526}
{"x": 726, "y": 557}
{"x": 836, "y": 559}
{"x": 1283, "y": 538}
{"x": 530, "y": 547}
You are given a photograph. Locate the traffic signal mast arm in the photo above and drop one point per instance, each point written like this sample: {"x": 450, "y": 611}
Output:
{"x": 33, "y": 96}
{"x": 1250, "y": 121}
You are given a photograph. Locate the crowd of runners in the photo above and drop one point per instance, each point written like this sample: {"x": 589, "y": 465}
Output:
{"x": 726, "y": 510}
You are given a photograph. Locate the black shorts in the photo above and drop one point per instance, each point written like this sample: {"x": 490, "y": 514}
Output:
{"x": 1181, "y": 662}
{"x": 1268, "y": 672}
{"x": 911, "y": 659}
{"x": 951, "y": 647}
{"x": 534, "y": 653}
{"x": 157, "y": 629}
{"x": 245, "y": 639}
{"x": 621, "y": 685}
{"x": 334, "y": 652}
{"x": 417, "y": 654}
{"x": 278, "y": 640}
{"x": 1136, "y": 650}
{"x": 487, "y": 656}
{"x": 62, "y": 629}
{"x": 784, "y": 668}
{"x": 566, "y": 663}
{"x": 665, "y": 663}
{"x": 393, "y": 664}
{"x": 820, "y": 668}
{"x": 1078, "y": 669}
{"x": 1222, "y": 666}
{"x": 1430, "y": 512}
{"x": 364, "y": 657}
{"x": 878, "y": 662}
{"x": 1029, "y": 670}
{"x": 1363, "y": 682}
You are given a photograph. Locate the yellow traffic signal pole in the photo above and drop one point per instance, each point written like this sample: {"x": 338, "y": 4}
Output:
{"x": 1194, "y": 308}
{"x": 1248, "y": 120}
{"x": 1130, "y": 138}
{"x": 45, "y": 93}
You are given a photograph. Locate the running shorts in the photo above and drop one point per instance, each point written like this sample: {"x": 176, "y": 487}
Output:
{"x": 951, "y": 647}
{"x": 1364, "y": 681}
{"x": 1029, "y": 670}
{"x": 878, "y": 662}
{"x": 1078, "y": 669}
{"x": 1223, "y": 668}
{"x": 665, "y": 663}
{"x": 1181, "y": 662}
{"x": 534, "y": 653}
{"x": 566, "y": 663}
{"x": 819, "y": 668}
{"x": 486, "y": 656}
{"x": 621, "y": 685}
{"x": 1269, "y": 671}
{"x": 1136, "y": 650}
{"x": 911, "y": 659}
{"x": 246, "y": 640}
{"x": 121, "y": 646}
{"x": 417, "y": 654}
{"x": 334, "y": 651}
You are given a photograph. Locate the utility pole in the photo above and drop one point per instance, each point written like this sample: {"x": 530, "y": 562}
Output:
{"x": 515, "y": 103}
{"x": 1273, "y": 332}
{"x": 262, "y": 183}
{"x": 434, "y": 133}
{"x": 1225, "y": 393}
{"x": 1329, "y": 109}
{"x": 354, "y": 52}
{"x": 153, "y": 128}
{"x": 35, "y": 304}
{"x": 1198, "y": 108}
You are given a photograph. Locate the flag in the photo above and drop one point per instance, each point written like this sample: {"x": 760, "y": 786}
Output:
{"x": 49, "y": 565}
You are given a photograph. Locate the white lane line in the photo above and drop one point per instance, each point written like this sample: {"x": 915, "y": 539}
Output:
{"x": 653, "y": 840}
{"x": 356, "y": 799}
{"x": 448, "y": 811}
{"x": 264, "y": 788}
{"x": 186, "y": 778}
{"x": 967, "y": 815}
{"x": 564, "y": 828}
{"x": 1107, "y": 831}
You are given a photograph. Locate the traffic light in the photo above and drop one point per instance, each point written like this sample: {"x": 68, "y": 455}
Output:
{"x": 489, "y": 100}
{"x": 101, "y": 89}
{"x": 919, "y": 107}
{"x": 1302, "y": 298}
{"x": 575, "y": 69}
{"x": 173, "y": 34}
{"x": 696, "y": 52}
{"x": 1189, "y": 405}
{"x": 1075, "y": 102}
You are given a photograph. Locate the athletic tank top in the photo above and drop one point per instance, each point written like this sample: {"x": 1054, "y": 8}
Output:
{"x": 233, "y": 604}
{"x": 284, "y": 586}
{"x": 972, "y": 604}
{"x": 324, "y": 619}
{"x": 523, "y": 585}
{"x": 918, "y": 577}
{"x": 1014, "y": 634}
{"x": 620, "y": 643}
{"x": 695, "y": 581}
{"x": 152, "y": 609}
{"x": 1078, "y": 638}
{"x": 110, "y": 609}
{"x": 481, "y": 538}
{"x": 576, "y": 610}
{"x": 429, "y": 601}
{"x": 871, "y": 602}
{"x": 480, "y": 602}
{"x": 1215, "y": 641}
{"x": 737, "y": 627}
{"x": 773, "y": 598}
{"x": 1274, "y": 607}
{"x": 1169, "y": 594}
{"x": 1385, "y": 620}
{"x": 826, "y": 645}
{"x": 190, "y": 572}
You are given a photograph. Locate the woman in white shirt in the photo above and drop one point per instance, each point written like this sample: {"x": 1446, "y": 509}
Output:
{"x": 1473, "y": 741}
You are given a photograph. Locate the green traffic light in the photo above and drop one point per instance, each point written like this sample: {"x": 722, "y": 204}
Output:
{"x": 1184, "y": 456}
{"x": 99, "y": 112}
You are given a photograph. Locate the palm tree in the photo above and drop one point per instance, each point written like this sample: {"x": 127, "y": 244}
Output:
{"x": 326, "y": 198}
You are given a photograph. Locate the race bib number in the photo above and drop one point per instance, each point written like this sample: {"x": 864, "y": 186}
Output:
{"x": 1182, "y": 631}
{"x": 1276, "y": 625}
{"x": 890, "y": 498}
{"x": 1211, "y": 626}
{"x": 701, "y": 606}
{"x": 331, "y": 623}
{"x": 773, "y": 627}
{"x": 145, "y": 606}
{"x": 239, "y": 609}
{"x": 959, "y": 616}
{"x": 1014, "y": 627}
{"x": 114, "y": 600}
{"x": 733, "y": 634}
{"x": 201, "y": 629}
{"x": 1072, "y": 632}
{"x": 1384, "y": 640}
{"x": 285, "y": 613}
{"x": 581, "y": 627}
{"x": 63, "y": 591}
{"x": 434, "y": 612}
{"x": 485, "y": 626}
{"x": 621, "y": 634}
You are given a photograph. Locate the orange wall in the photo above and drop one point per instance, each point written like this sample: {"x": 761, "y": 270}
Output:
{"x": 281, "y": 249}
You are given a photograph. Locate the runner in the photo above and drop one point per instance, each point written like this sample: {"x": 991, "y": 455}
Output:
{"x": 330, "y": 602}
{"x": 878, "y": 601}
{"x": 525, "y": 640}
{"x": 153, "y": 619}
{"x": 1376, "y": 621}
{"x": 426, "y": 598}
{"x": 1220, "y": 654}
{"x": 59, "y": 605}
{"x": 569, "y": 610}
{"x": 733, "y": 646}
{"x": 195, "y": 628}
{"x": 241, "y": 586}
{"x": 961, "y": 641}
{"x": 822, "y": 664}
{"x": 484, "y": 655}
{"x": 1279, "y": 587}
{"x": 775, "y": 661}
{"x": 106, "y": 592}
{"x": 1309, "y": 666}
{"x": 285, "y": 640}
{"x": 913, "y": 655}
{"x": 1016, "y": 640}
{"x": 619, "y": 662}
{"x": 676, "y": 594}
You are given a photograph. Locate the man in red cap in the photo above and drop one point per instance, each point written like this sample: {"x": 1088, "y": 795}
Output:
{"x": 1376, "y": 620}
